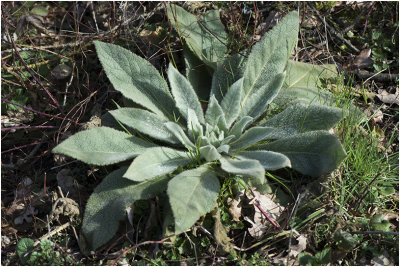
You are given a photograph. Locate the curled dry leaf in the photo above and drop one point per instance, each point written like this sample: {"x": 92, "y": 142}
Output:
{"x": 95, "y": 121}
{"x": 256, "y": 230}
{"x": 300, "y": 247}
{"x": 235, "y": 206}
{"x": 363, "y": 60}
{"x": 376, "y": 112}
{"x": 388, "y": 98}
{"x": 260, "y": 224}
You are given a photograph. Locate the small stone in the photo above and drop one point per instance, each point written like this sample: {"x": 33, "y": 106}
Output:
{"x": 5, "y": 241}
{"x": 62, "y": 71}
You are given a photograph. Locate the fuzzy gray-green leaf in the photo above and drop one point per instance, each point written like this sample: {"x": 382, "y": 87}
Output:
{"x": 300, "y": 118}
{"x": 184, "y": 94}
{"x": 209, "y": 152}
{"x": 301, "y": 74}
{"x": 247, "y": 167}
{"x": 239, "y": 126}
{"x": 252, "y": 136}
{"x": 269, "y": 57}
{"x": 179, "y": 134}
{"x": 200, "y": 35}
{"x": 155, "y": 162}
{"x": 106, "y": 206}
{"x": 258, "y": 101}
{"x": 136, "y": 79}
{"x": 145, "y": 122}
{"x": 231, "y": 102}
{"x": 312, "y": 153}
{"x": 102, "y": 146}
{"x": 192, "y": 194}
{"x": 302, "y": 84}
{"x": 195, "y": 130}
{"x": 214, "y": 111}
{"x": 268, "y": 159}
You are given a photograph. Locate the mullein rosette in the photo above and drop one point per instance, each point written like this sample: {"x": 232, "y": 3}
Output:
{"x": 181, "y": 150}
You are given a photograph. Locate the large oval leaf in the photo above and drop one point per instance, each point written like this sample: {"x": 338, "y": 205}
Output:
{"x": 269, "y": 57}
{"x": 312, "y": 153}
{"x": 302, "y": 85}
{"x": 258, "y": 101}
{"x": 136, "y": 79}
{"x": 300, "y": 118}
{"x": 155, "y": 162}
{"x": 106, "y": 206}
{"x": 192, "y": 194}
{"x": 102, "y": 146}
{"x": 145, "y": 122}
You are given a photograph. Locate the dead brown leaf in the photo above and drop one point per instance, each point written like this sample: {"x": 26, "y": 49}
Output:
{"x": 300, "y": 247}
{"x": 363, "y": 60}
{"x": 388, "y": 98}
{"x": 274, "y": 210}
{"x": 235, "y": 206}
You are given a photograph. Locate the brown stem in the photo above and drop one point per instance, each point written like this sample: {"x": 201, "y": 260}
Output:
{"x": 19, "y": 147}
{"x": 365, "y": 190}
{"x": 366, "y": 20}
{"x": 28, "y": 127}
{"x": 38, "y": 112}
{"x": 272, "y": 221}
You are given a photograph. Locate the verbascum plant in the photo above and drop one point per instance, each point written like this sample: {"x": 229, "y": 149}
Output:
{"x": 186, "y": 153}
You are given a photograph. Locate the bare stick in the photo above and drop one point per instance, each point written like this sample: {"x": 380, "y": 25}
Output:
{"x": 28, "y": 127}
{"x": 365, "y": 190}
{"x": 272, "y": 221}
{"x": 38, "y": 112}
{"x": 55, "y": 231}
{"x": 334, "y": 32}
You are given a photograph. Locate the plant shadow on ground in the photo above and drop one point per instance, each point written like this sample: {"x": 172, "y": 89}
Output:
{"x": 343, "y": 216}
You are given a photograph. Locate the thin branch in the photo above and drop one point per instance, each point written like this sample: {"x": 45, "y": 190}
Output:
{"x": 275, "y": 224}
{"x": 28, "y": 127}
{"x": 365, "y": 190}
{"x": 334, "y": 32}
{"x": 38, "y": 112}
